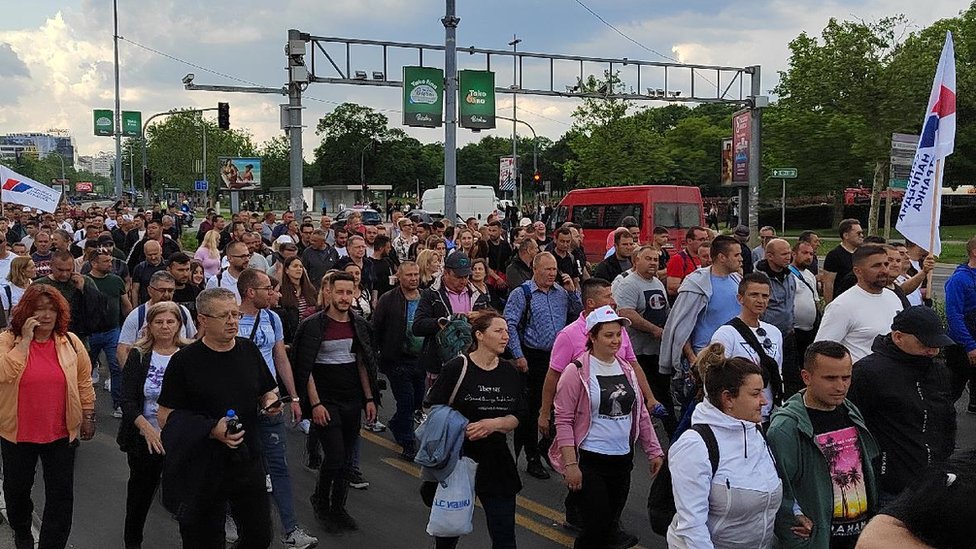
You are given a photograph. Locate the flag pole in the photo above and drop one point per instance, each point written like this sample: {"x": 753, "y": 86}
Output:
{"x": 936, "y": 199}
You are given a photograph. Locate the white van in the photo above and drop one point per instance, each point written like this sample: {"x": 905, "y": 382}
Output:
{"x": 477, "y": 201}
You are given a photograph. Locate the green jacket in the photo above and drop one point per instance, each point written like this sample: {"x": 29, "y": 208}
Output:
{"x": 806, "y": 473}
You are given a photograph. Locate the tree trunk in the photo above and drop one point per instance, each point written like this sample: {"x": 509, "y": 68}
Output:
{"x": 876, "y": 189}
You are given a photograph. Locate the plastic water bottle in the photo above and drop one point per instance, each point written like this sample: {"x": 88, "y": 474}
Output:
{"x": 234, "y": 424}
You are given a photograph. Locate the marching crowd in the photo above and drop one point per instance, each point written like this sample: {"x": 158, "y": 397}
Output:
{"x": 779, "y": 398}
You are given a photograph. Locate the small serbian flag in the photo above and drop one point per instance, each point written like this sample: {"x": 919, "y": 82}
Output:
{"x": 921, "y": 209}
{"x": 18, "y": 189}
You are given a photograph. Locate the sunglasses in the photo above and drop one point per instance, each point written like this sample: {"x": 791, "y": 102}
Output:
{"x": 766, "y": 342}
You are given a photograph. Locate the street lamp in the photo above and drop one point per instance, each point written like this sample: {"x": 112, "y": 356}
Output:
{"x": 514, "y": 43}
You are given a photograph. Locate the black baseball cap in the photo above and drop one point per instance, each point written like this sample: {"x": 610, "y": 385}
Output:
{"x": 459, "y": 263}
{"x": 106, "y": 240}
{"x": 923, "y": 323}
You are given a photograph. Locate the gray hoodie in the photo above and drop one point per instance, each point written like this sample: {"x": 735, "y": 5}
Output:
{"x": 693, "y": 296}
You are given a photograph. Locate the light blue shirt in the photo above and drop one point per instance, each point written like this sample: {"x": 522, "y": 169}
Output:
{"x": 722, "y": 307}
{"x": 548, "y": 314}
{"x": 268, "y": 333}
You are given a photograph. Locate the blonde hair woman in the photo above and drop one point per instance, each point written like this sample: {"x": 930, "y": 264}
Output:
{"x": 139, "y": 433}
{"x": 208, "y": 254}
{"x": 22, "y": 272}
{"x": 431, "y": 264}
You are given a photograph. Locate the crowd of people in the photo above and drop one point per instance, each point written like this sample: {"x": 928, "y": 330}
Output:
{"x": 779, "y": 400}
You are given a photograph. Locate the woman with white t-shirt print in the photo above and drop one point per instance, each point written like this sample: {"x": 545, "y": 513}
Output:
{"x": 600, "y": 416}
{"x": 753, "y": 296}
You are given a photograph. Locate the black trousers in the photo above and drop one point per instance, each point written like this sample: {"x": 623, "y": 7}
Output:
{"x": 243, "y": 489}
{"x": 145, "y": 470}
{"x": 338, "y": 438}
{"x": 661, "y": 387}
{"x": 606, "y": 485}
{"x": 527, "y": 432}
{"x": 500, "y": 518}
{"x": 58, "y": 467}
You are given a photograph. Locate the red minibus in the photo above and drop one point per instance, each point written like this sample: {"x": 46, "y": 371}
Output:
{"x": 599, "y": 211}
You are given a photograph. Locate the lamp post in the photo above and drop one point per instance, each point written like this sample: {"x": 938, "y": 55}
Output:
{"x": 514, "y": 43}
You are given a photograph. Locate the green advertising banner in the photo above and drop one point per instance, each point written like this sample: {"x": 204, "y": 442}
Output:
{"x": 423, "y": 97}
{"x": 103, "y": 122}
{"x": 131, "y": 123}
{"x": 476, "y": 97}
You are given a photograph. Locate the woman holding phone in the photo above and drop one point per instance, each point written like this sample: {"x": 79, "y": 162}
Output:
{"x": 139, "y": 433}
{"x": 47, "y": 403}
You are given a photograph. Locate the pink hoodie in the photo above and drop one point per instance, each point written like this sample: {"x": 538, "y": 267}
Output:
{"x": 572, "y": 404}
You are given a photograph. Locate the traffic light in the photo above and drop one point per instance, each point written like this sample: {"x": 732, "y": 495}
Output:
{"x": 223, "y": 115}
{"x": 147, "y": 178}
{"x": 537, "y": 180}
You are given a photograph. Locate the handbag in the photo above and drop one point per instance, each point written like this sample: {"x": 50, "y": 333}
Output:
{"x": 452, "y": 512}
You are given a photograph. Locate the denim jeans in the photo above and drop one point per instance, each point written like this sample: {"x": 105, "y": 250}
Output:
{"x": 272, "y": 432}
{"x": 407, "y": 384}
{"x": 108, "y": 341}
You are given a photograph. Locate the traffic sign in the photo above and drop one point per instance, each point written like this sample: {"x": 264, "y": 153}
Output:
{"x": 784, "y": 173}
{"x": 200, "y": 185}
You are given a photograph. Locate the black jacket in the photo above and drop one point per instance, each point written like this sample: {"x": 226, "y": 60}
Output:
{"x": 517, "y": 273}
{"x": 435, "y": 306}
{"x": 134, "y": 373}
{"x": 138, "y": 255}
{"x": 906, "y": 405}
{"x": 608, "y": 269}
{"x": 308, "y": 339}
{"x": 390, "y": 319}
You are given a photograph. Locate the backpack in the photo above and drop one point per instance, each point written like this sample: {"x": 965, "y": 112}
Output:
{"x": 660, "y": 499}
{"x": 453, "y": 339}
{"x": 141, "y": 316}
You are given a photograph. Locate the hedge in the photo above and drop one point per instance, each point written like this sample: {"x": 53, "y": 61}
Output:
{"x": 821, "y": 216}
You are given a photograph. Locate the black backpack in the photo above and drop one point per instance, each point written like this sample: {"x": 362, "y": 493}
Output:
{"x": 660, "y": 500}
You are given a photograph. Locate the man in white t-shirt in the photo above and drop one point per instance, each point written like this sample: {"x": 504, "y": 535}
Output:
{"x": 753, "y": 297}
{"x": 859, "y": 315}
{"x": 238, "y": 257}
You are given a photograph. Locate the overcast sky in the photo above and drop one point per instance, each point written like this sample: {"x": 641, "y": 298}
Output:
{"x": 56, "y": 56}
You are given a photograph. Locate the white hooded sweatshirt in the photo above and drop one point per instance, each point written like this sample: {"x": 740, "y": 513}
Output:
{"x": 735, "y": 509}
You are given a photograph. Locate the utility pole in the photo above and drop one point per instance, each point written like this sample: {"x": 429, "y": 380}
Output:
{"x": 450, "y": 22}
{"x": 296, "y": 162}
{"x": 118, "y": 107}
{"x": 755, "y": 152}
{"x": 514, "y": 43}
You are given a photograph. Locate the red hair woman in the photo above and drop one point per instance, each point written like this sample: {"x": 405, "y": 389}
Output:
{"x": 46, "y": 403}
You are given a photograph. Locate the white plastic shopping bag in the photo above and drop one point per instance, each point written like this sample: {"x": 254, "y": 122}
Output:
{"x": 453, "y": 509}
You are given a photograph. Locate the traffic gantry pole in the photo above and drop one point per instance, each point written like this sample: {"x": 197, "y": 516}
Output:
{"x": 296, "y": 52}
{"x": 755, "y": 149}
{"x": 450, "y": 22}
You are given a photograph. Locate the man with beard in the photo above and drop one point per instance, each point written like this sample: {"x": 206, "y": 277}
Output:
{"x": 865, "y": 311}
{"x": 806, "y": 303}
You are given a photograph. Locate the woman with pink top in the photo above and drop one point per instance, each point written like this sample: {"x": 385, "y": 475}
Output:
{"x": 599, "y": 420}
{"x": 208, "y": 254}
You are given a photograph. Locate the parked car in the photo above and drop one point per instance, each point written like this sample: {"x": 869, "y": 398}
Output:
{"x": 370, "y": 216}
{"x": 424, "y": 216}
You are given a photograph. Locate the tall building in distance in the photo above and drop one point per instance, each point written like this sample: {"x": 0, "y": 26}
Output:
{"x": 39, "y": 145}
{"x": 101, "y": 164}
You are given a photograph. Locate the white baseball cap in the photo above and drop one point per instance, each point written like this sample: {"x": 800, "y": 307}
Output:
{"x": 604, "y": 314}
{"x": 525, "y": 222}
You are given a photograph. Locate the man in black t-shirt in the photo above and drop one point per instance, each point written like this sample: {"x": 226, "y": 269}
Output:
{"x": 185, "y": 293}
{"x": 561, "y": 249}
{"x": 203, "y": 382}
{"x": 840, "y": 261}
{"x": 819, "y": 439}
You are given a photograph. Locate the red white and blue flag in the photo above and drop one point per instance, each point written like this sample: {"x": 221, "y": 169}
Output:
{"x": 17, "y": 189}
{"x": 921, "y": 208}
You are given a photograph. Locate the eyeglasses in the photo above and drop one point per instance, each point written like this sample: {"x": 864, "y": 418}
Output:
{"x": 766, "y": 343}
{"x": 228, "y": 316}
{"x": 163, "y": 290}
{"x": 267, "y": 288}
{"x": 241, "y": 256}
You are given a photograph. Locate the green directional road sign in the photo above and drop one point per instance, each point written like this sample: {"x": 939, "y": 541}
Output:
{"x": 131, "y": 123}
{"x": 103, "y": 122}
{"x": 784, "y": 173}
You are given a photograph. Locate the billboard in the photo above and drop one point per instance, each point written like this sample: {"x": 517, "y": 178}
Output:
{"x": 476, "y": 99}
{"x": 903, "y": 148}
{"x": 727, "y": 162}
{"x": 239, "y": 173}
{"x": 423, "y": 97}
{"x": 131, "y": 123}
{"x": 506, "y": 174}
{"x": 102, "y": 119}
{"x": 84, "y": 187}
{"x": 741, "y": 135}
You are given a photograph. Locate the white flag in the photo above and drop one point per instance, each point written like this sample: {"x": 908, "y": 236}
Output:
{"x": 17, "y": 189}
{"x": 921, "y": 209}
